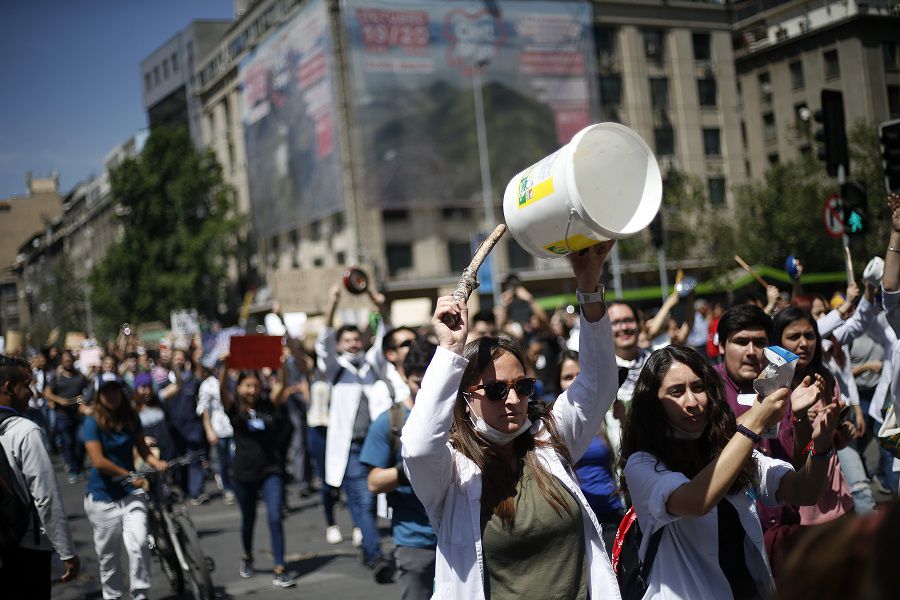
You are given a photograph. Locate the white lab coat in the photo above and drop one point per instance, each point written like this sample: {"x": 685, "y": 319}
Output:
{"x": 449, "y": 484}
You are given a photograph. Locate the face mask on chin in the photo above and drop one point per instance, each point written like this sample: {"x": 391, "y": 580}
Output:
{"x": 494, "y": 436}
{"x": 680, "y": 434}
{"x": 354, "y": 358}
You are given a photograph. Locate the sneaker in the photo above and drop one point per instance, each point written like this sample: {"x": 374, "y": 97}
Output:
{"x": 383, "y": 570}
{"x": 229, "y": 498}
{"x": 246, "y": 570}
{"x": 282, "y": 579}
{"x": 333, "y": 535}
{"x": 879, "y": 485}
{"x": 74, "y": 478}
{"x": 201, "y": 499}
{"x": 357, "y": 537}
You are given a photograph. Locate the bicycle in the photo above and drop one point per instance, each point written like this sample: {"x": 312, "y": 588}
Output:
{"x": 172, "y": 535}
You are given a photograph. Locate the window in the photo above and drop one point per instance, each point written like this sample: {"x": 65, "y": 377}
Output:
{"x": 769, "y": 129}
{"x": 712, "y": 144}
{"x": 165, "y": 64}
{"x": 318, "y": 262}
{"x": 707, "y": 92}
{"x": 664, "y": 139}
{"x": 460, "y": 255}
{"x": 832, "y": 66}
{"x": 517, "y": 256}
{"x": 743, "y": 134}
{"x": 653, "y": 45}
{"x": 456, "y": 213}
{"x": 765, "y": 86}
{"x": 399, "y": 256}
{"x": 716, "y": 191}
{"x": 893, "y": 94}
{"x": 889, "y": 51}
{"x": 605, "y": 43}
{"x": 395, "y": 216}
{"x": 147, "y": 81}
{"x": 659, "y": 92}
{"x": 156, "y": 75}
{"x": 341, "y": 258}
{"x": 797, "y": 79}
{"x": 611, "y": 94}
{"x": 338, "y": 222}
{"x": 315, "y": 231}
{"x": 773, "y": 159}
{"x": 174, "y": 60}
{"x": 702, "y": 49}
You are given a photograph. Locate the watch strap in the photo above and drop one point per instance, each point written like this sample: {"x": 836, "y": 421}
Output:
{"x": 591, "y": 297}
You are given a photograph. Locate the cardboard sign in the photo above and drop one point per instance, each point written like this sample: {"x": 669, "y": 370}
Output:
{"x": 254, "y": 352}
{"x": 216, "y": 344}
{"x": 411, "y": 312}
{"x": 307, "y": 290}
{"x": 74, "y": 340}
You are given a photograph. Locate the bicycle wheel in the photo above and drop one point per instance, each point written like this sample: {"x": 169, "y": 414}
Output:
{"x": 165, "y": 553}
{"x": 198, "y": 575}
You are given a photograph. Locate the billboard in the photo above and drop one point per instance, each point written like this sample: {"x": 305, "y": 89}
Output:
{"x": 290, "y": 124}
{"x": 415, "y": 66}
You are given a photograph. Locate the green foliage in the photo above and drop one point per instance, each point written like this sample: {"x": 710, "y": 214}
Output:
{"x": 60, "y": 297}
{"x": 179, "y": 235}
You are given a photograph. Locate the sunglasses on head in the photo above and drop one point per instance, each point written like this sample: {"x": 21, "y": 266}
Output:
{"x": 499, "y": 390}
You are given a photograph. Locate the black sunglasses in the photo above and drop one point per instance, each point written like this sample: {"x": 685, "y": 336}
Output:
{"x": 499, "y": 390}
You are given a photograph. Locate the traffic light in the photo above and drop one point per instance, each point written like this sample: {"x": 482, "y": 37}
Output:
{"x": 855, "y": 201}
{"x": 832, "y": 134}
{"x": 889, "y": 132}
{"x": 656, "y": 231}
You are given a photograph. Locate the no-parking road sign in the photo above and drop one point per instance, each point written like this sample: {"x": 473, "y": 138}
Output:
{"x": 832, "y": 217}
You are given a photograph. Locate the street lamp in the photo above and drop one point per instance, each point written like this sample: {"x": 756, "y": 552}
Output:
{"x": 487, "y": 193}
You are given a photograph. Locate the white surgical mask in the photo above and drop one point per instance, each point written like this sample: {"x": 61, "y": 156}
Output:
{"x": 354, "y": 358}
{"x": 680, "y": 434}
{"x": 494, "y": 436}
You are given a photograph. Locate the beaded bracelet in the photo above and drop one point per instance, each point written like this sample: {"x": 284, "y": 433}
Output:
{"x": 750, "y": 434}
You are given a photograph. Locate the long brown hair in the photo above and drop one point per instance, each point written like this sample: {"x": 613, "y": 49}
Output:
{"x": 122, "y": 419}
{"x": 646, "y": 428}
{"x": 499, "y": 479}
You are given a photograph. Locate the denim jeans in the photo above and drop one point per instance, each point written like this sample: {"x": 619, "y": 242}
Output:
{"x": 361, "y": 503}
{"x": 315, "y": 440}
{"x": 272, "y": 489}
{"x": 298, "y": 457}
{"x": 855, "y": 474}
{"x": 68, "y": 427}
{"x": 889, "y": 477}
{"x": 224, "y": 459}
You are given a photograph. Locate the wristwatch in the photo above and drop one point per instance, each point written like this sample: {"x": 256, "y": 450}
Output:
{"x": 592, "y": 297}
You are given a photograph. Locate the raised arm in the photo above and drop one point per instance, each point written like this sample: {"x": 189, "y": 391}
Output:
{"x": 702, "y": 493}
{"x": 580, "y": 409}
{"x": 427, "y": 458}
{"x": 655, "y": 325}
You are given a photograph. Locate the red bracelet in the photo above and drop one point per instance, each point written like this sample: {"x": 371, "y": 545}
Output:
{"x": 811, "y": 450}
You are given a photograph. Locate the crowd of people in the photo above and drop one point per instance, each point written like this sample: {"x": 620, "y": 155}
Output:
{"x": 521, "y": 453}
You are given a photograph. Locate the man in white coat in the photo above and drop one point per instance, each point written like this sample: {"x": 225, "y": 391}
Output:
{"x": 357, "y": 398}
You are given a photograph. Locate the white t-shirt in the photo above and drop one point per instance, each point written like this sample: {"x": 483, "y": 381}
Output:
{"x": 208, "y": 398}
{"x": 687, "y": 562}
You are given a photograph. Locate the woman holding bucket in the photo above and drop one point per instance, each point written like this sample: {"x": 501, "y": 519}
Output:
{"x": 495, "y": 473}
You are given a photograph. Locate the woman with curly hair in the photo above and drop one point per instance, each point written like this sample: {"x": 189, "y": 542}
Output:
{"x": 495, "y": 473}
{"x": 693, "y": 472}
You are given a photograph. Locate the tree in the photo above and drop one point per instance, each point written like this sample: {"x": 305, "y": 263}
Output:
{"x": 178, "y": 235}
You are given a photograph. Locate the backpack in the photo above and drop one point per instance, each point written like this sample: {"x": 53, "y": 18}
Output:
{"x": 14, "y": 511}
{"x": 631, "y": 573}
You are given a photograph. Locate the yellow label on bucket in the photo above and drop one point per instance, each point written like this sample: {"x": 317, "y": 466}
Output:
{"x": 576, "y": 242}
{"x": 534, "y": 192}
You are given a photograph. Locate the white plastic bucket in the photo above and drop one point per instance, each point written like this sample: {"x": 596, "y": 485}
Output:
{"x": 604, "y": 184}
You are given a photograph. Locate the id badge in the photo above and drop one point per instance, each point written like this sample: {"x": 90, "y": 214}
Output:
{"x": 256, "y": 424}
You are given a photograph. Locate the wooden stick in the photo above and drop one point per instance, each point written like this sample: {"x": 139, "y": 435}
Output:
{"x": 849, "y": 260}
{"x": 741, "y": 262}
{"x": 468, "y": 281}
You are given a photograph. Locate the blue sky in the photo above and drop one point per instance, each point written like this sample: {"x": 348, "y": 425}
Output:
{"x": 70, "y": 84}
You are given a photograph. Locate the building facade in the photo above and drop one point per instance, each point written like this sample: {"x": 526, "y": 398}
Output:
{"x": 168, "y": 76}
{"x": 666, "y": 69}
{"x": 20, "y": 217}
{"x": 787, "y": 54}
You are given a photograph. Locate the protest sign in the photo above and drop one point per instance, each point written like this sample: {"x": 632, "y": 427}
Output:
{"x": 254, "y": 352}
{"x": 307, "y": 289}
{"x": 215, "y": 344}
{"x": 74, "y": 340}
{"x": 90, "y": 357}
{"x": 411, "y": 312}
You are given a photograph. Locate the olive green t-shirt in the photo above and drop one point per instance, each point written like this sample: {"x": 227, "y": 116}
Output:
{"x": 543, "y": 555}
